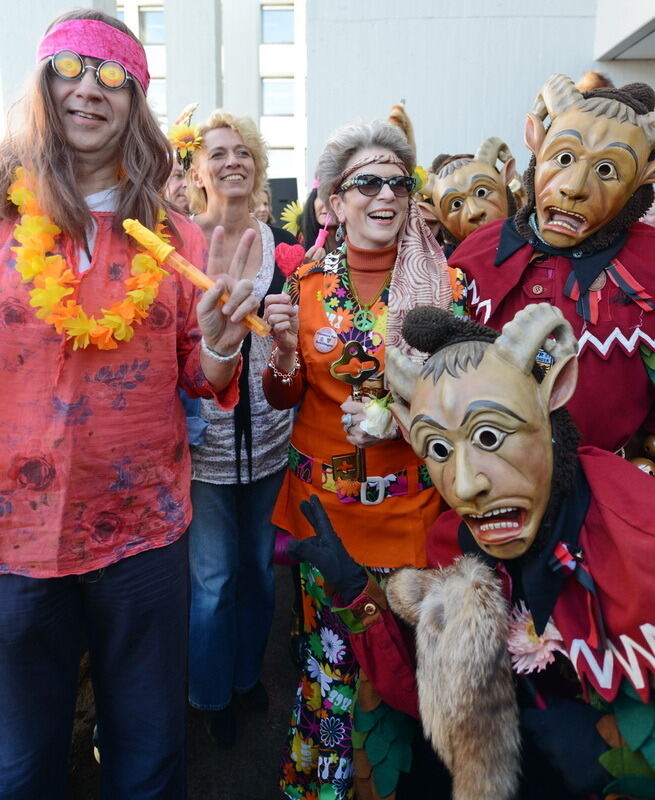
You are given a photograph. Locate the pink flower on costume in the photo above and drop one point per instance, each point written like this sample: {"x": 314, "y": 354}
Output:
{"x": 529, "y": 651}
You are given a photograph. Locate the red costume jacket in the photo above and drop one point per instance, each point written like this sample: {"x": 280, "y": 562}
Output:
{"x": 615, "y": 396}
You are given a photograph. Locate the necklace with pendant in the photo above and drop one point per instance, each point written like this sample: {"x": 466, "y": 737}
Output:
{"x": 364, "y": 318}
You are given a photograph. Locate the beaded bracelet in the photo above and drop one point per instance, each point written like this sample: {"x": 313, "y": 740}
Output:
{"x": 285, "y": 377}
{"x": 217, "y": 356}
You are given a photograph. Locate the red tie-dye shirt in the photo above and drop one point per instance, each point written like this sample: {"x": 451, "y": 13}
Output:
{"x": 94, "y": 463}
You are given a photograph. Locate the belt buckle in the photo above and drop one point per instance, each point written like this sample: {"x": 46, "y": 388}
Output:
{"x": 377, "y": 482}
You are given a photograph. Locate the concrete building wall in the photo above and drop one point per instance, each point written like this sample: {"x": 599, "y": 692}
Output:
{"x": 241, "y": 38}
{"x": 194, "y": 72}
{"x": 467, "y": 69}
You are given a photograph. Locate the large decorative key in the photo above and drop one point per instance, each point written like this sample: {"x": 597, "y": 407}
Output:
{"x": 355, "y": 367}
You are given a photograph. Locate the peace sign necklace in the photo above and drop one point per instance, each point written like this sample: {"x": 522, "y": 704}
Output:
{"x": 364, "y": 319}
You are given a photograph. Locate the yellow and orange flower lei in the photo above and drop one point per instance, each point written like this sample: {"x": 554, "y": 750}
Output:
{"x": 53, "y": 281}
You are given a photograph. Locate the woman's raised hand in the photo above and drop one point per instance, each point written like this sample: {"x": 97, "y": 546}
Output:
{"x": 282, "y": 316}
{"x": 222, "y": 324}
{"x": 315, "y": 253}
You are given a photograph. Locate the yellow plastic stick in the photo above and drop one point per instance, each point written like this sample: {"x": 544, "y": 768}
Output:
{"x": 167, "y": 255}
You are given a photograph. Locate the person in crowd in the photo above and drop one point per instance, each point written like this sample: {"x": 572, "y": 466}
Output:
{"x": 95, "y": 339}
{"x": 238, "y": 468}
{"x": 185, "y": 139}
{"x": 176, "y": 189}
{"x": 329, "y": 356}
{"x": 313, "y": 220}
{"x": 578, "y": 245}
{"x": 264, "y": 206}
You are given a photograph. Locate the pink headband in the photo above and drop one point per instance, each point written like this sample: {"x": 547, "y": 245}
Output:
{"x": 95, "y": 39}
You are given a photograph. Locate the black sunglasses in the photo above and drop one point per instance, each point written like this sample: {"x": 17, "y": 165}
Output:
{"x": 70, "y": 66}
{"x": 370, "y": 185}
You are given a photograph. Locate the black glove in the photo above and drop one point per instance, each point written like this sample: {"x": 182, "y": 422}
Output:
{"x": 565, "y": 733}
{"x": 327, "y": 553}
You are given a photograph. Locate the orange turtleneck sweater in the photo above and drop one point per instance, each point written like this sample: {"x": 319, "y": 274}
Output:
{"x": 369, "y": 269}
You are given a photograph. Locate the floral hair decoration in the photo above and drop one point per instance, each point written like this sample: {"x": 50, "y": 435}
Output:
{"x": 185, "y": 137}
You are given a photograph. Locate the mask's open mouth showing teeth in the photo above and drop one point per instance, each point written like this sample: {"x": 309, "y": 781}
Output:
{"x": 499, "y": 526}
{"x": 567, "y": 222}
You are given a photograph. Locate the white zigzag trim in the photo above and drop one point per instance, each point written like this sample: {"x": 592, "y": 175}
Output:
{"x": 473, "y": 299}
{"x": 629, "y": 344}
{"x": 632, "y": 666}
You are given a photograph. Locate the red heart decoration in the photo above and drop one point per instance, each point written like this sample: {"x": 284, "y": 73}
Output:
{"x": 289, "y": 257}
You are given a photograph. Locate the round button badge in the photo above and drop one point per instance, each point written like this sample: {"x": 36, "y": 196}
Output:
{"x": 325, "y": 340}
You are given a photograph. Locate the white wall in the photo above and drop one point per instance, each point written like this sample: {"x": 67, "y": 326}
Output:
{"x": 619, "y": 25}
{"x": 468, "y": 69}
{"x": 193, "y": 57}
{"x": 241, "y": 39}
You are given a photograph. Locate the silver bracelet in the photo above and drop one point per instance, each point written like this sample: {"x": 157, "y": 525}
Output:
{"x": 217, "y": 356}
{"x": 285, "y": 377}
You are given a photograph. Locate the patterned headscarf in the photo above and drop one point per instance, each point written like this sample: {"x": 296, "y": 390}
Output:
{"x": 420, "y": 274}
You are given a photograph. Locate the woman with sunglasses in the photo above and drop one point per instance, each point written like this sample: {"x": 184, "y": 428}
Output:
{"x": 330, "y": 358}
{"x": 95, "y": 340}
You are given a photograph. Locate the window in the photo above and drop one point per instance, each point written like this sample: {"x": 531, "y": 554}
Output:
{"x": 157, "y": 98}
{"x": 277, "y": 25}
{"x": 151, "y": 25}
{"x": 120, "y": 14}
{"x": 281, "y": 162}
{"x": 277, "y": 97}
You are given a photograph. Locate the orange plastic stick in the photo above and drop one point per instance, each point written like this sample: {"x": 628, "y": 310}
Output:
{"x": 167, "y": 255}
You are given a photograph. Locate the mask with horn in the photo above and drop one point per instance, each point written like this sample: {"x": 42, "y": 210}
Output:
{"x": 468, "y": 190}
{"x": 589, "y": 163}
{"x": 479, "y": 412}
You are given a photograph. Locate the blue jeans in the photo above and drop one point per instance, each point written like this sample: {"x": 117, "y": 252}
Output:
{"x": 134, "y": 616}
{"x": 231, "y": 542}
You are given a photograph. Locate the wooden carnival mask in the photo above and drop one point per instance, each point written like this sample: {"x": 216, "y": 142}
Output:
{"x": 481, "y": 420}
{"x": 468, "y": 191}
{"x": 589, "y": 162}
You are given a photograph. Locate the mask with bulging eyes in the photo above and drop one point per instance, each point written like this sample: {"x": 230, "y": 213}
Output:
{"x": 590, "y": 161}
{"x": 481, "y": 420}
{"x": 468, "y": 191}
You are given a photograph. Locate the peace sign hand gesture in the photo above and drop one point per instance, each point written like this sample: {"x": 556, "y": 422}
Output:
{"x": 222, "y": 325}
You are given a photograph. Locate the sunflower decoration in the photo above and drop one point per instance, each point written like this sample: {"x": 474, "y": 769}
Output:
{"x": 292, "y": 217}
{"x": 420, "y": 178}
{"x": 185, "y": 137}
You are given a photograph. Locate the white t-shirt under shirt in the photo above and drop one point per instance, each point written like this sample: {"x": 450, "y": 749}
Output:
{"x": 104, "y": 200}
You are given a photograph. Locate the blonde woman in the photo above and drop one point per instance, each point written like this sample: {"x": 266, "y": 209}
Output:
{"x": 238, "y": 470}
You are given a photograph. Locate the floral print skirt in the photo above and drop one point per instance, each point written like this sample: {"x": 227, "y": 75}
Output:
{"x": 317, "y": 760}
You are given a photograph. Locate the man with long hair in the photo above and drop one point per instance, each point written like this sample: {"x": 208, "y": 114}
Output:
{"x": 95, "y": 339}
